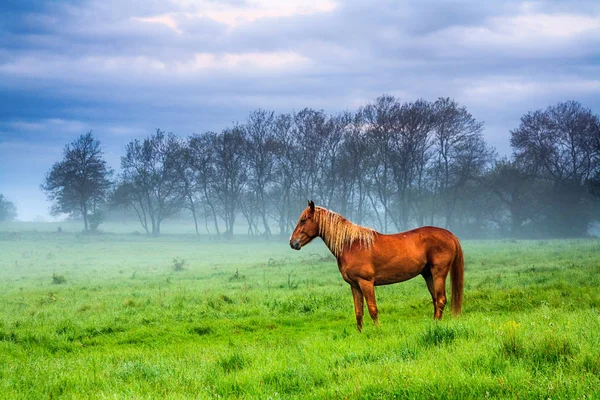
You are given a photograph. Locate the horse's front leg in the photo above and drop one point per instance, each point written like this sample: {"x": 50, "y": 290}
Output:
{"x": 359, "y": 308}
{"x": 368, "y": 290}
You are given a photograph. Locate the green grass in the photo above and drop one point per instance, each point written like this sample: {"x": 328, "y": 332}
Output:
{"x": 113, "y": 316}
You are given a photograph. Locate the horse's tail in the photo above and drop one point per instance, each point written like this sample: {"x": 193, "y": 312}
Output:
{"x": 457, "y": 278}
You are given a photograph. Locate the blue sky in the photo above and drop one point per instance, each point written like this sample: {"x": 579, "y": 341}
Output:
{"x": 124, "y": 68}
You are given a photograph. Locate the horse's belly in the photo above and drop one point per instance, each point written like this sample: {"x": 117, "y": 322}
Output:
{"x": 385, "y": 275}
{"x": 388, "y": 279}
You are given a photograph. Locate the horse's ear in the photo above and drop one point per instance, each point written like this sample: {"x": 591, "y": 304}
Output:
{"x": 311, "y": 204}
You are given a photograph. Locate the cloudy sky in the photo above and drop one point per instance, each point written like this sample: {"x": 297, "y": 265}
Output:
{"x": 124, "y": 68}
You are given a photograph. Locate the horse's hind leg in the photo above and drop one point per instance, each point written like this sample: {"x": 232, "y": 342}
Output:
{"x": 436, "y": 283}
{"x": 439, "y": 286}
{"x": 429, "y": 281}
{"x": 359, "y": 308}
{"x": 368, "y": 290}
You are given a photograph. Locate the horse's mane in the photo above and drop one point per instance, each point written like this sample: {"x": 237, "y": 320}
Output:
{"x": 338, "y": 233}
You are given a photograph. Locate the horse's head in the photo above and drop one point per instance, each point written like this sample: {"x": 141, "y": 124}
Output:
{"x": 307, "y": 228}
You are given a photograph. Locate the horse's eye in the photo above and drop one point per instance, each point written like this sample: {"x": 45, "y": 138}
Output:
{"x": 302, "y": 221}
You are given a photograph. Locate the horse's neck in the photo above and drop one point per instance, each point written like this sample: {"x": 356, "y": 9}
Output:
{"x": 336, "y": 232}
{"x": 326, "y": 231}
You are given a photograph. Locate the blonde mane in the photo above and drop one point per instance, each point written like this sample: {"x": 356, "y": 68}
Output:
{"x": 339, "y": 234}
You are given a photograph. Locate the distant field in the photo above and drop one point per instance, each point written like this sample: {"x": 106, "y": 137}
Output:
{"x": 109, "y": 227}
{"x": 108, "y": 316}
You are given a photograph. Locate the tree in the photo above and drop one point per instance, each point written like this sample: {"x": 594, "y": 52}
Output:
{"x": 260, "y": 134}
{"x": 201, "y": 160}
{"x": 410, "y": 145}
{"x": 182, "y": 165}
{"x": 8, "y": 211}
{"x": 353, "y": 165}
{"x": 460, "y": 153}
{"x": 380, "y": 120}
{"x": 284, "y": 173}
{"x": 595, "y": 180}
{"x": 78, "y": 185}
{"x": 330, "y": 156}
{"x": 230, "y": 174}
{"x": 309, "y": 134}
{"x": 515, "y": 190}
{"x": 150, "y": 182}
{"x": 556, "y": 146}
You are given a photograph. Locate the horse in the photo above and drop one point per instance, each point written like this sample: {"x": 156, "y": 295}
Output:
{"x": 367, "y": 258}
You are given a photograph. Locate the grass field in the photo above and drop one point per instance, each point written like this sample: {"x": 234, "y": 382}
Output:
{"x": 126, "y": 316}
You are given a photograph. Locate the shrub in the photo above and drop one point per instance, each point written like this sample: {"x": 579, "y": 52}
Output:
{"x": 237, "y": 276}
{"x": 58, "y": 279}
{"x": 178, "y": 264}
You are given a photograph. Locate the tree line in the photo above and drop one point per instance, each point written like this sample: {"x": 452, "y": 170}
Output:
{"x": 391, "y": 165}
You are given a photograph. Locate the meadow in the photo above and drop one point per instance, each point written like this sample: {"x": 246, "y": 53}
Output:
{"x": 128, "y": 316}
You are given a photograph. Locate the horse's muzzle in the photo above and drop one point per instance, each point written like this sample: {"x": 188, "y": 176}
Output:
{"x": 295, "y": 244}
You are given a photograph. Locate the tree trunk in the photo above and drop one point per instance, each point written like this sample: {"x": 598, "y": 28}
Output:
{"x": 193, "y": 209}
{"x": 85, "y": 218}
{"x": 263, "y": 210}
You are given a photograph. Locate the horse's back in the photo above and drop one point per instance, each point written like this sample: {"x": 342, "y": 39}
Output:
{"x": 426, "y": 236}
{"x": 427, "y": 244}
{"x": 429, "y": 230}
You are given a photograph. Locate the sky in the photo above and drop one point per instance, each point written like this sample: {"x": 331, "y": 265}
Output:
{"x": 125, "y": 68}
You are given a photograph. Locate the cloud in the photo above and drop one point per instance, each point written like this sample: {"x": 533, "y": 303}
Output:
{"x": 235, "y": 14}
{"x": 531, "y": 35}
{"x": 269, "y": 9}
{"x": 247, "y": 61}
{"x": 51, "y": 125}
{"x": 511, "y": 90}
{"x": 166, "y": 20}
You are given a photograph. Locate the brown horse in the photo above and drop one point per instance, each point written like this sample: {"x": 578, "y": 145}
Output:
{"x": 367, "y": 258}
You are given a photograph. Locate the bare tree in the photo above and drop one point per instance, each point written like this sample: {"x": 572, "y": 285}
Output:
{"x": 182, "y": 165}
{"x": 261, "y": 154}
{"x": 78, "y": 185}
{"x": 457, "y": 135}
{"x": 330, "y": 156}
{"x": 309, "y": 131}
{"x": 473, "y": 160}
{"x": 201, "y": 161}
{"x": 284, "y": 173}
{"x": 558, "y": 143}
{"x": 354, "y": 171}
{"x": 380, "y": 122}
{"x": 150, "y": 182}
{"x": 409, "y": 154}
{"x": 230, "y": 174}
